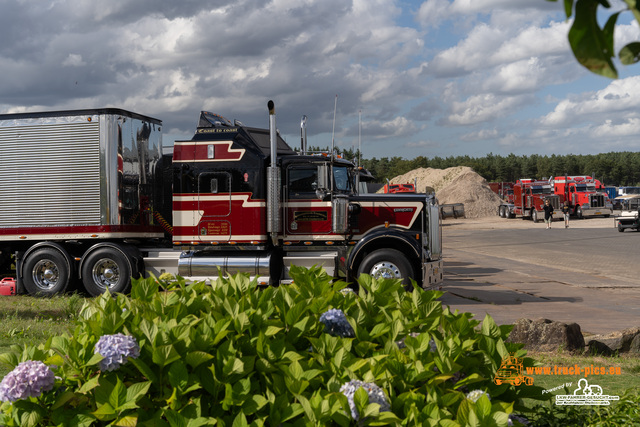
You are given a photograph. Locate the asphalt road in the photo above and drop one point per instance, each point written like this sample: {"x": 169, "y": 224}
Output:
{"x": 511, "y": 269}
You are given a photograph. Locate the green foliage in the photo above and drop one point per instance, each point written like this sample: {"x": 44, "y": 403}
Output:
{"x": 235, "y": 354}
{"x": 592, "y": 45}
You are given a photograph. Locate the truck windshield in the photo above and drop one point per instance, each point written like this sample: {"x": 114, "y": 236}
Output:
{"x": 541, "y": 190}
{"x": 342, "y": 179}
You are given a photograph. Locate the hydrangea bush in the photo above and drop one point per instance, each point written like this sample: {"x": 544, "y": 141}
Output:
{"x": 236, "y": 354}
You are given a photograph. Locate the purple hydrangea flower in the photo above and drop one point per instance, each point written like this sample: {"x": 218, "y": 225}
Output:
{"x": 336, "y": 323}
{"x": 116, "y": 350}
{"x": 28, "y": 379}
{"x": 376, "y": 395}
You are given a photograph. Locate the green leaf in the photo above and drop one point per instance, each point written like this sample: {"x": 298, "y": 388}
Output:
{"x": 178, "y": 375}
{"x": 89, "y": 385}
{"x": 118, "y": 396}
{"x": 240, "y": 421}
{"x": 295, "y": 370}
{"x": 630, "y": 54}
{"x": 361, "y": 400}
{"x": 483, "y": 406}
{"x": 62, "y": 399}
{"x": 591, "y": 45}
{"x": 126, "y": 421}
{"x": 174, "y": 418}
{"x": 104, "y": 412}
{"x": 272, "y": 330}
{"x": 137, "y": 390}
{"x": 196, "y": 358}
{"x": 165, "y": 354}
{"x": 490, "y": 328}
{"x": 144, "y": 369}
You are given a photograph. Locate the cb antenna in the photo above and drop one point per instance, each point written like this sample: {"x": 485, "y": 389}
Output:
{"x": 333, "y": 132}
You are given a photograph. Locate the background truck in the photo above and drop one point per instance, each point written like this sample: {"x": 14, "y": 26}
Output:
{"x": 90, "y": 199}
{"x": 529, "y": 197}
{"x": 399, "y": 188}
{"x": 503, "y": 189}
{"x": 582, "y": 195}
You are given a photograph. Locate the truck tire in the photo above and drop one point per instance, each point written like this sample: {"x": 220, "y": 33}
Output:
{"x": 46, "y": 272}
{"x": 501, "y": 211}
{"x": 106, "y": 268}
{"x": 534, "y": 215}
{"x": 388, "y": 264}
{"x": 579, "y": 212}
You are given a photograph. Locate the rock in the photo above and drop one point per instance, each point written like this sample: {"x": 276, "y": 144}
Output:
{"x": 618, "y": 342}
{"x": 634, "y": 348}
{"x": 547, "y": 335}
{"x": 597, "y": 348}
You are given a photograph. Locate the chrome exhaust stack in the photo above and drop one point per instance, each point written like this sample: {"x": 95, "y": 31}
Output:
{"x": 273, "y": 180}
{"x": 303, "y": 135}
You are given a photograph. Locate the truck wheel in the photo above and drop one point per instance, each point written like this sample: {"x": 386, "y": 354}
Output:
{"x": 501, "y": 211}
{"x": 579, "y": 212}
{"x": 106, "y": 268}
{"x": 534, "y": 216}
{"x": 387, "y": 264}
{"x": 46, "y": 272}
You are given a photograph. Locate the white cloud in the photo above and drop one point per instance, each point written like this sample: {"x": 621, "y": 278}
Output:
{"x": 618, "y": 96}
{"x": 483, "y": 108}
{"x": 73, "y": 60}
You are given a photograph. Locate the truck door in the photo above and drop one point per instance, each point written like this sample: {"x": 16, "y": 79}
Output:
{"x": 214, "y": 206}
{"x": 307, "y": 215}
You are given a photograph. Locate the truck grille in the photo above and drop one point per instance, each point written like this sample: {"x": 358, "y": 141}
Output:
{"x": 597, "y": 200}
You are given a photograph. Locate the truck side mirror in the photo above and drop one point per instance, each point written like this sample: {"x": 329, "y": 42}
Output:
{"x": 323, "y": 181}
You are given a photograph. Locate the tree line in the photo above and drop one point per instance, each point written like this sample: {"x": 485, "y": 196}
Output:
{"x": 614, "y": 168}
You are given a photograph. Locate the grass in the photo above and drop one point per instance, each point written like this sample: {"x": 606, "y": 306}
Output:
{"x": 629, "y": 367}
{"x": 26, "y": 320}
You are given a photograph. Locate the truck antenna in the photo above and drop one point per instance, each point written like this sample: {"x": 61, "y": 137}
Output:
{"x": 333, "y": 132}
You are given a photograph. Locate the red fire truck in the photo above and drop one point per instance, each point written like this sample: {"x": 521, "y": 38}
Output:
{"x": 89, "y": 198}
{"x": 529, "y": 197}
{"x": 583, "y": 196}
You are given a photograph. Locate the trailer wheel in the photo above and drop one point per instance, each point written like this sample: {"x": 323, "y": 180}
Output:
{"x": 46, "y": 272}
{"x": 106, "y": 268}
{"x": 388, "y": 264}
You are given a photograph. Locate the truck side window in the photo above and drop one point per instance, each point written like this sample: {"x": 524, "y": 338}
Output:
{"x": 303, "y": 182}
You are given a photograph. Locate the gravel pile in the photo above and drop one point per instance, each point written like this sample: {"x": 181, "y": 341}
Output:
{"x": 456, "y": 185}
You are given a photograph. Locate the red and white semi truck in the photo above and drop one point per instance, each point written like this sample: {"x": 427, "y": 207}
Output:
{"x": 88, "y": 198}
{"x": 529, "y": 197}
{"x": 583, "y": 195}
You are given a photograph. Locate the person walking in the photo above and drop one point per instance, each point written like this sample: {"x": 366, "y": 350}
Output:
{"x": 548, "y": 213}
{"x": 566, "y": 211}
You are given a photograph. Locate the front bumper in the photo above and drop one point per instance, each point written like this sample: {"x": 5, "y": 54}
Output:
{"x": 432, "y": 273}
{"x": 597, "y": 211}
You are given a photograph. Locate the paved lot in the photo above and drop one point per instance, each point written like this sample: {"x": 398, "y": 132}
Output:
{"x": 511, "y": 268}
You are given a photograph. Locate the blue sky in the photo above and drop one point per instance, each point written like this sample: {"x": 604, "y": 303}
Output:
{"x": 432, "y": 78}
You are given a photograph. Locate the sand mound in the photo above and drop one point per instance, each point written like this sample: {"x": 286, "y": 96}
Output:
{"x": 456, "y": 185}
